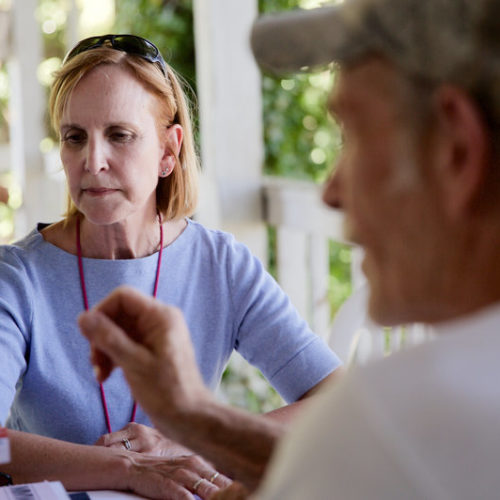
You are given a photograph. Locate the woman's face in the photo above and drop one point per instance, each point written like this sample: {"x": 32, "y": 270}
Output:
{"x": 110, "y": 147}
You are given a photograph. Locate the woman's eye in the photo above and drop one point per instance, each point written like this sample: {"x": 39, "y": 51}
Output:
{"x": 74, "y": 138}
{"x": 121, "y": 136}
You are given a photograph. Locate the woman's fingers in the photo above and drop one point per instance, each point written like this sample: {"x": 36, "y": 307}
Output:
{"x": 178, "y": 476}
{"x": 138, "y": 437}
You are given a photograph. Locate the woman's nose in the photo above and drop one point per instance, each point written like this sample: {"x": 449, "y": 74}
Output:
{"x": 96, "y": 158}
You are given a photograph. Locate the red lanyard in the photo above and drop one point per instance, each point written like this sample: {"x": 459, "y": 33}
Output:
{"x": 86, "y": 304}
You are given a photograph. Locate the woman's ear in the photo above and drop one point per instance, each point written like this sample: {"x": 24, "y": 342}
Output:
{"x": 172, "y": 143}
{"x": 464, "y": 150}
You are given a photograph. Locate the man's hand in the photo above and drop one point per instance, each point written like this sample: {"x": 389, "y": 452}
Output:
{"x": 151, "y": 343}
{"x": 235, "y": 491}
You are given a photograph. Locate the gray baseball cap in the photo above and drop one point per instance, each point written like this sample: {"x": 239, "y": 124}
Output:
{"x": 455, "y": 41}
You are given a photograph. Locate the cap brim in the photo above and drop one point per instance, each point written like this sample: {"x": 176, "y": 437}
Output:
{"x": 288, "y": 42}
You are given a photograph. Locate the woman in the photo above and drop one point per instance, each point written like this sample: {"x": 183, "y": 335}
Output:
{"x": 127, "y": 152}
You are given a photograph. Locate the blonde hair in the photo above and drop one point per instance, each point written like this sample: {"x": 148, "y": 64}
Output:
{"x": 177, "y": 194}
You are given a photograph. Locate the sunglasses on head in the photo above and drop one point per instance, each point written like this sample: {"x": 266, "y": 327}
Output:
{"x": 131, "y": 44}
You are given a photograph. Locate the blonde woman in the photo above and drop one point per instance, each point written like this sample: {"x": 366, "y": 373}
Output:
{"x": 127, "y": 152}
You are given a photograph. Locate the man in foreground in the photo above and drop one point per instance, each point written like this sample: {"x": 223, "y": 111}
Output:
{"x": 419, "y": 180}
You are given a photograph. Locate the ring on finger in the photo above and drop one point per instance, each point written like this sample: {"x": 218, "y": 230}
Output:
{"x": 197, "y": 483}
{"x": 127, "y": 444}
{"x": 214, "y": 476}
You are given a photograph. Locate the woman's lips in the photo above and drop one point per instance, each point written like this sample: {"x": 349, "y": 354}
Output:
{"x": 99, "y": 191}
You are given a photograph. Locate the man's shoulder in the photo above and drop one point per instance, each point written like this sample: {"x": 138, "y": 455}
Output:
{"x": 427, "y": 385}
{"x": 409, "y": 418}
{"x": 452, "y": 364}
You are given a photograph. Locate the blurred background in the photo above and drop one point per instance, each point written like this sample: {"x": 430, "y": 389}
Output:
{"x": 265, "y": 143}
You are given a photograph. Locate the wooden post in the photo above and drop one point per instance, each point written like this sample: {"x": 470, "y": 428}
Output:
{"x": 229, "y": 94}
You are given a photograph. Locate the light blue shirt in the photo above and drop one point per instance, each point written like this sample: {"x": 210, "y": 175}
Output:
{"x": 228, "y": 299}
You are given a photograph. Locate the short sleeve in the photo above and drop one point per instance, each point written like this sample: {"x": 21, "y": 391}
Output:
{"x": 15, "y": 320}
{"x": 271, "y": 335}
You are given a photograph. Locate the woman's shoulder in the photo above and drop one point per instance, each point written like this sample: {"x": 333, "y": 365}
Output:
{"x": 16, "y": 262}
{"x": 27, "y": 248}
{"x": 27, "y": 243}
{"x": 222, "y": 248}
{"x": 215, "y": 237}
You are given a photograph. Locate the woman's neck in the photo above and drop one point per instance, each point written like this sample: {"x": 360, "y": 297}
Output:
{"x": 116, "y": 241}
{"x": 119, "y": 241}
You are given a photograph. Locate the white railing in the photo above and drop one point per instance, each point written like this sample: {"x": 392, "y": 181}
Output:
{"x": 304, "y": 227}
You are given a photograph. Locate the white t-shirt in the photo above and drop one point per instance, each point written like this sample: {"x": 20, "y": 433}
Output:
{"x": 421, "y": 424}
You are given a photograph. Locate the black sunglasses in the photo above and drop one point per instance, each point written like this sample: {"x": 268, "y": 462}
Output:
{"x": 130, "y": 44}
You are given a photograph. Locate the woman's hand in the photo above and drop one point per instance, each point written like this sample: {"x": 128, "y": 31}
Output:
{"x": 173, "y": 479}
{"x": 143, "y": 439}
{"x": 178, "y": 471}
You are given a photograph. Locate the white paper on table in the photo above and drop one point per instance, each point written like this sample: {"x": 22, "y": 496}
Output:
{"x": 48, "y": 490}
{"x": 111, "y": 495}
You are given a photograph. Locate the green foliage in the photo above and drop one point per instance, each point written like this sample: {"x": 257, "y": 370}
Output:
{"x": 244, "y": 385}
{"x": 266, "y": 6}
{"x": 301, "y": 140}
{"x": 168, "y": 24}
{"x": 52, "y": 17}
{"x": 339, "y": 285}
{"x": 4, "y": 105}
{"x": 272, "y": 250}
{"x": 51, "y": 14}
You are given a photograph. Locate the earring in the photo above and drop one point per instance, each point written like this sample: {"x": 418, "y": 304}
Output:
{"x": 165, "y": 172}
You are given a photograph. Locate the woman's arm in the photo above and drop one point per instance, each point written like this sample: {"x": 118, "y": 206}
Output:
{"x": 270, "y": 333}
{"x": 36, "y": 458}
{"x": 287, "y": 413}
{"x": 82, "y": 467}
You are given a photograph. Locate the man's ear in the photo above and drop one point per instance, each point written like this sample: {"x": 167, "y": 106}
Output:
{"x": 464, "y": 150}
{"x": 172, "y": 142}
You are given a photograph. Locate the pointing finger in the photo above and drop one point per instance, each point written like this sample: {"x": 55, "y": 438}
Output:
{"x": 110, "y": 344}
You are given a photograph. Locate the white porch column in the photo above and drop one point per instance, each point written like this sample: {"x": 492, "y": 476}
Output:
{"x": 230, "y": 121}
{"x": 27, "y": 107}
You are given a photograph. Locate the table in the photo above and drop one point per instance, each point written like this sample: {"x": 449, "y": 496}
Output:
{"x": 112, "y": 495}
